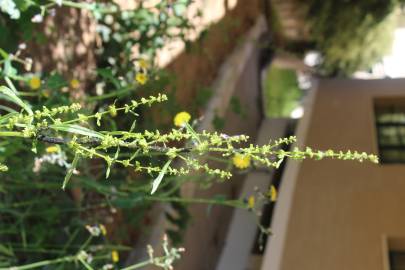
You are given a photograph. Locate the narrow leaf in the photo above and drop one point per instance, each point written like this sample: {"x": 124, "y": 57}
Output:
{"x": 7, "y": 109}
{"x": 107, "y": 173}
{"x": 14, "y": 98}
{"x": 3, "y": 53}
{"x": 193, "y": 134}
{"x": 70, "y": 171}
{"x": 11, "y": 85}
{"x": 133, "y": 126}
{"x": 76, "y": 129}
{"x": 159, "y": 179}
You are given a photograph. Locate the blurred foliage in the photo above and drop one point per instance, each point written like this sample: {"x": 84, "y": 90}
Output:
{"x": 38, "y": 220}
{"x": 280, "y": 93}
{"x": 352, "y": 34}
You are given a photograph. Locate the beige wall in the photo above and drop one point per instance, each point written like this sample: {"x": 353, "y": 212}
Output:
{"x": 341, "y": 210}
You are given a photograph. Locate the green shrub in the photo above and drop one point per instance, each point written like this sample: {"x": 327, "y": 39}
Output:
{"x": 351, "y": 35}
{"x": 280, "y": 92}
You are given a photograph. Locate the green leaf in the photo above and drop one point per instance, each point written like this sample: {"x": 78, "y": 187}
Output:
{"x": 34, "y": 146}
{"x": 7, "y": 109}
{"x": 9, "y": 70}
{"x": 3, "y": 53}
{"x": 159, "y": 179}
{"x": 133, "y": 126}
{"x": 107, "y": 173}
{"x": 70, "y": 171}
{"x": 56, "y": 81}
{"x": 11, "y": 96}
{"x": 107, "y": 74}
{"x": 117, "y": 153}
{"x": 76, "y": 129}
{"x": 11, "y": 85}
{"x": 6, "y": 251}
{"x": 23, "y": 5}
{"x": 193, "y": 134}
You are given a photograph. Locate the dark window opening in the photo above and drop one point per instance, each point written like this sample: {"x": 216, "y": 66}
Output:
{"x": 390, "y": 125}
{"x": 397, "y": 260}
{"x": 268, "y": 209}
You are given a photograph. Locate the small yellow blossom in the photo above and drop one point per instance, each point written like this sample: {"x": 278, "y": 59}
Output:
{"x": 35, "y": 83}
{"x": 114, "y": 256}
{"x": 52, "y": 149}
{"x": 272, "y": 193}
{"x": 181, "y": 119}
{"x": 74, "y": 83}
{"x": 251, "y": 202}
{"x": 141, "y": 78}
{"x": 103, "y": 229}
{"x": 143, "y": 63}
{"x": 241, "y": 161}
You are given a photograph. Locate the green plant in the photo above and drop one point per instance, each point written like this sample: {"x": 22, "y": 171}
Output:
{"x": 280, "y": 92}
{"x": 351, "y": 35}
{"x": 57, "y": 208}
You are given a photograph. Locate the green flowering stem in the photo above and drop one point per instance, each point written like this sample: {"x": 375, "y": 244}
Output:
{"x": 166, "y": 261}
{"x": 118, "y": 93}
{"x": 82, "y": 5}
{"x": 89, "y": 143}
{"x": 43, "y": 263}
{"x": 11, "y": 134}
{"x": 86, "y": 265}
{"x": 230, "y": 203}
{"x": 126, "y": 108}
{"x": 28, "y": 94}
{"x": 17, "y": 78}
{"x": 138, "y": 265}
{"x": 217, "y": 159}
{"x": 65, "y": 259}
{"x": 144, "y": 263}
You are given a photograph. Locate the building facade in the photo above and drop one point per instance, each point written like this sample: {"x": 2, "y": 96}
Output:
{"x": 334, "y": 214}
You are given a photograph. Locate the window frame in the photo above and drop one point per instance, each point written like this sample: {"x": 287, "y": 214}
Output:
{"x": 390, "y": 105}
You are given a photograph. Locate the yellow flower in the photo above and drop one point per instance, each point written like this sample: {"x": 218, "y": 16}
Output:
{"x": 74, "y": 83}
{"x": 241, "y": 161}
{"x": 181, "y": 119}
{"x": 272, "y": 193}
{"x": 141, "y": 78}
{"x": 114, "y": 256}
{"x": 143, "y": 63}
{"x": 52, "y": 149}
{"x": 251, "y": 202}
{"x": 103, "y": 229}
{"x": 35, "y": 83}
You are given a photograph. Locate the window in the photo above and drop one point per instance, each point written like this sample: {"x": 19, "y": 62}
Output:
{"x": 394, "y": 248}
{"x": 390, "y": 125}
{"x": 397, "y": 260}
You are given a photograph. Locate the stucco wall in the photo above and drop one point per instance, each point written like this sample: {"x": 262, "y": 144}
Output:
{"x": 342, "y": 210}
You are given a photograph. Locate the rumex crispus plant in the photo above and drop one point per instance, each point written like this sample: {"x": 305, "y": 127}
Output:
{"x": 57, "y": 147}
